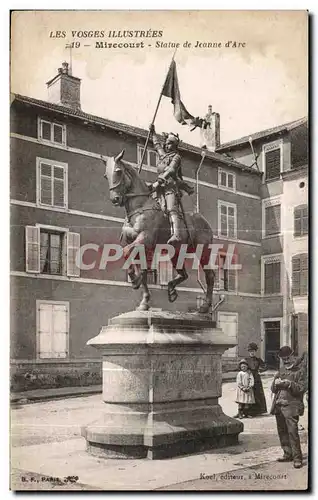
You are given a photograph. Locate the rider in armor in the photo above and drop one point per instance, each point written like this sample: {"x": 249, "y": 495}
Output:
{"x": 170, "y": 183}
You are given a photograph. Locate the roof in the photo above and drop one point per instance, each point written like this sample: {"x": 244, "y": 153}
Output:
{"x": 262, "y": 134}
{"x": 128, "y": 129}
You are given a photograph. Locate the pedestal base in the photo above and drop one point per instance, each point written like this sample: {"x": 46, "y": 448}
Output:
{"x": 161, "y": 382}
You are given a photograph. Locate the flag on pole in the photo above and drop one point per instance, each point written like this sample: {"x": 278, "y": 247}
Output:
{"x": 171, "y": 89}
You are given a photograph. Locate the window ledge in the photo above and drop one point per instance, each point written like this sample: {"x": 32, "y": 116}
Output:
{"x": 269, "y": 295}
{"x": 230, "y": 238}
{"x": 271, "y": 236}
{"x": 301, "y": 237}
{"x": 47, "y": 141}
{"x": 56, "y": 207}
{"x": 299, "y": 296}
{"x": 224, "y": 188}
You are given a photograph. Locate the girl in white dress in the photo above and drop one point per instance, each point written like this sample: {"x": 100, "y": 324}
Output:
{"x": 244, "y": 392}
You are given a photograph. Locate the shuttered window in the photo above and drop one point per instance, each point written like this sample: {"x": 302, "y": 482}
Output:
{"x": 165, "y": 272}
{"x": 272, "y": 220}
{"x": 51, "y": 183}
{"x": 300, "y": 274}
{"x": 272, "y": 164}
{"x": 225, "y": 279}
{"x": 301, "y": 220}
{"x": 272, "y": 272}
{"x": 52, "y": 330}
{"x": 51, "y": 251}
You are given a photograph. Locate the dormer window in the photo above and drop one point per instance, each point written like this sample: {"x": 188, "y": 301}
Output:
{"x": 51, "y": 132}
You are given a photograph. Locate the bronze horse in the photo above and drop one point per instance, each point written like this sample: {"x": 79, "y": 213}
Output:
{"x": 147, "y": 225}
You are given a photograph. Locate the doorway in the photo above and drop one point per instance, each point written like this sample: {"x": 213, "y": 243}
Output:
{"x": 272, "y": 343}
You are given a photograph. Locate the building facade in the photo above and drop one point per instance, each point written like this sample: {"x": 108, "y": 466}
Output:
{"x": 281, "y": 154}
{"x": 60, "y": 202}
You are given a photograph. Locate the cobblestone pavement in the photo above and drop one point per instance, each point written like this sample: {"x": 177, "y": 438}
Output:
{"x": 59, "y": 421}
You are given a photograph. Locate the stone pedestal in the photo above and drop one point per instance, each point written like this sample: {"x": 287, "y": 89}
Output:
{"x": 162, "y": 377}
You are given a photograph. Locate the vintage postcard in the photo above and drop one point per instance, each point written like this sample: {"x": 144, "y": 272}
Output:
{"x": 159, "y": 250}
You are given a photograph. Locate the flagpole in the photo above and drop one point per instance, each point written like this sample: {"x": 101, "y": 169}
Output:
{"x": 154, "y": 116}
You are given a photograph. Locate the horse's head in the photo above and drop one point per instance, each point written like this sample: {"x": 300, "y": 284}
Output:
{"x": 118, "y": 179}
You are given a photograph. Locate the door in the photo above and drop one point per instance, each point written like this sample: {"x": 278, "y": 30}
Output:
{"x": 299, "y": 333}
{"x": 228, "y": 323}
{"x": 272, "y": 343}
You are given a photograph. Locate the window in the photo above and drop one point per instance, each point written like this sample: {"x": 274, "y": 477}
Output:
{"x": 272, "y": 220}
{"x": 165, "y": 272}
{"x": 227, "y": 219}
{"x": 272, "y": 160}
{"x": 300, "y": 274}
{"x": 226, "y": 180}
{"x": 301, "y": 220}
{"x": 51, "y": 132}
{"x": 271, "y": 281}
{"x": 225, "y": 279}
{"x": 51, "y": 250}
{"x": 150, "y": 158}
{"x": 52, "y": 329}
{"x": 51, "y": 183}
{"x": 160, "y": 276}
{"x": 229, "y": 324}
{"x": 51, "y": 245}
{"x": 152, "y": 276}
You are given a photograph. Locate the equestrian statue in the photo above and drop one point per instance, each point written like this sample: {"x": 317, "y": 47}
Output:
{"x": 155, "y": 215}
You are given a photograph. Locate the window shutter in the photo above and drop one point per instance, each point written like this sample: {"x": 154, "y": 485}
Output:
{"x": 73, "y": 245}
{"x": 231, "y": 280}
{"x": 272, "y": 220}
{"x": 303, "y": 274}
{"x": 272, "y": 277}
{"x": 300, "y": 275}
{"x": 165, "y": 272}
{"x": 32, "y": 249}
{"x": 301, "y": 220}
{"x": 272, "y": 164}
{"x": 295, "y": 275}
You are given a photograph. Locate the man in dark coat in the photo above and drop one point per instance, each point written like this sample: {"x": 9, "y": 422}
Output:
{"x": 289, "y": 386}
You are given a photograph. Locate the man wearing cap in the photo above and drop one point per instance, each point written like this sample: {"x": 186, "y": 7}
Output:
{"x": 289, "y": 386}
{"x": 170, "y": 181}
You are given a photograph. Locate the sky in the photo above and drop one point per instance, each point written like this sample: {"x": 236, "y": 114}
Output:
{"x": 254, "y": 87}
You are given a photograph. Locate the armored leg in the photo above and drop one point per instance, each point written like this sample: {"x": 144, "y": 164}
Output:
{"x": 174, "y": 217}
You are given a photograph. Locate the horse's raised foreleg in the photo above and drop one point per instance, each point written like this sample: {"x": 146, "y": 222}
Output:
{"x": 172, "y": 292}
{"x": 209, "y": 278}
{"x": 136, "y": 279}
{"x": 144, "y": 304}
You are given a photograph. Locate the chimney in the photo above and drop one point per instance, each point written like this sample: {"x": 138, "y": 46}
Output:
{"x": 64, "y": 88}
{"x": 211, "y": 134}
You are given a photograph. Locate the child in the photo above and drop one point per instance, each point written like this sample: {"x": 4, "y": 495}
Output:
{"x": 244, "y": 393}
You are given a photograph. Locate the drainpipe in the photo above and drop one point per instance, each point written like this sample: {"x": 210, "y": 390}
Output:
{"x": 197, "y": 181}
{"x": 197, "y": 210}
